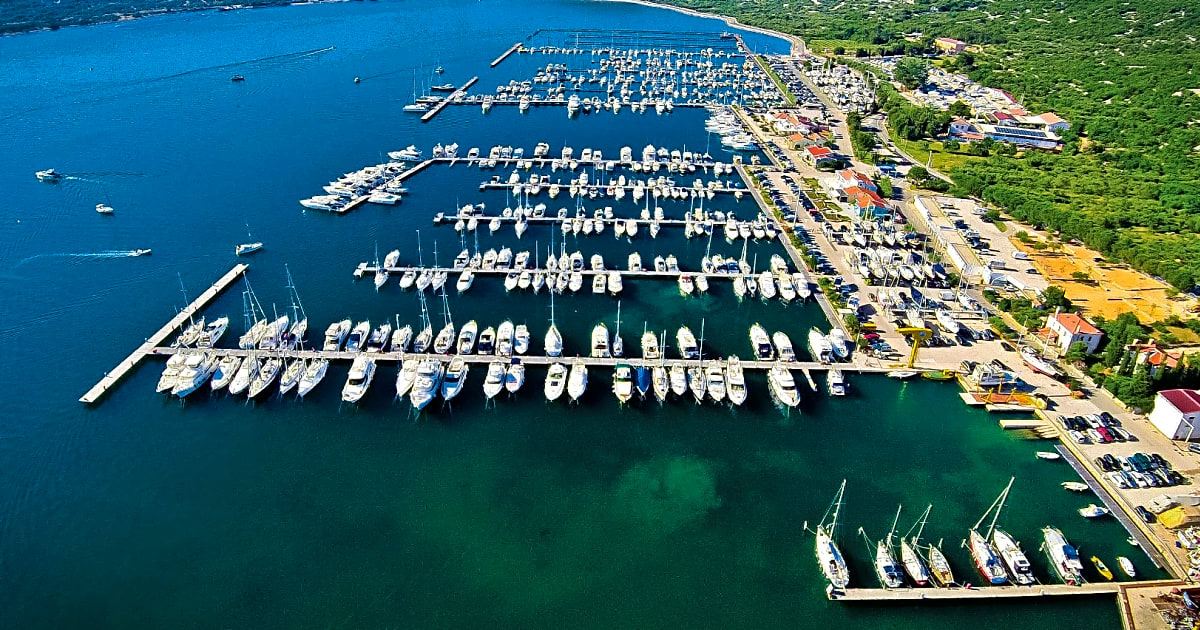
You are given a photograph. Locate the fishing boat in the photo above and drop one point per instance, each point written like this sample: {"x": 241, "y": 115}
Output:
{"x": 313, "y": 374}
{"x": 735, "y": 381}
{"x": 761, "y": 342}
{"x": 362, "y": 372}
{"x": 577, "y": 380}
{"x": 837, "y": 383}
{"x": 783, "y": 386}
{"x": 1102, "y": 568}
{"x": 455, "y": 379}
{"x": 1127, "y": 566}
{"x": 556, "y": 381}
{"x": 1064, "y": 558}
{"x": 1075, "y": 486}
{"x": 600, "y": 349}
{"x": 425, "y": 386}
{"x": 623, "y": 382}
{"x": 829, "y": 557}
{"x": 1093, "y": 511}
{"x": 1035, "y": 361}
{"x": 986, "y": 558}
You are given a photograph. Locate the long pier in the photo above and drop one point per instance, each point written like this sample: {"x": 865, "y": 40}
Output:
{"x": 985, "y": 592}
{"x": 515, "y": 47}
{"x": 1116, "y": 508}
{"x": 115, "y": 375}
{"x": 448, "y": 100}
{"x": 394, "y": 357}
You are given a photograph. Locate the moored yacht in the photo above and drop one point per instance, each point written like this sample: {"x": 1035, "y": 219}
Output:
{"x": 783, "y": 386}
{"x": 1064, "y": 557}
{"x": 362, "y": 372}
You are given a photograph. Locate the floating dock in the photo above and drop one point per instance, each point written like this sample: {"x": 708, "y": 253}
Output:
{"x": 448, "y": 100}
{"x": 515, "y": 48}
{"x": 115, "y": 375}
{"x": 1117, "y": 509}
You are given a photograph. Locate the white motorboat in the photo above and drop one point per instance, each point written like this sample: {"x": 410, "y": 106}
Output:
{"x": 783, "y": 386}
{"x": 714, "y": 376}
{"x": 455, "y": 379}
{"x": 425, "y": 385}
{"x": 336, "y": 335}
{"x": 837, "y": 383}
{"x": 401, "y": 337}
{"x": 735, "y": 381}
{"x": 466, "y": 338}
{"x": 521, "y": 339}
{"x": 1075, "y": 486}
{"x": 600, "y": 341}
{"x": 783, "y": 346}
{"x": 577, "y": 380}
{"x": 678, "y": 378}
{"x": 1127, "y": 566}
{"x": 493, "y": 383}
{"x": 1093, "y": 511}
{"x": 313, "y": 374}
{"x": 362, "y": 372}
{"x": 406, "y": 376}
{"x": 196, "y": 371}
{"x": 818, "y": 346}
{"x": 504, "y": 339}
{"x": 556, "y": 381}
{"x": 357, "y": 339}
{"x": 623, "y": 382}
{"x": 213, "y": 331}
{"x": 686, "y": 342}
{"x": 515, "y": 377}
{"x": 1020, "y": 572}
{"x": 761, "y": 342}
{"x": 839, "y": 344}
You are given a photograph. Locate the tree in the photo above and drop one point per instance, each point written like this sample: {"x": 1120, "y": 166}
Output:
{"x": 885, "y": 188}
{"x": 1055, "y": 297}
{"x": 839, "y": 50}
{"x": 1081, "y": 276}
{"x": 852, "y": 323}
{"x": 951, "y": 145}
{"x": 911, "y": 72}
{"x": 918, "y": 173}
{"x": 1077, "y": 353}
{"x": 992, "y": 215}
{"x": 959, "y": 108}
{"x": 854, "y": 121}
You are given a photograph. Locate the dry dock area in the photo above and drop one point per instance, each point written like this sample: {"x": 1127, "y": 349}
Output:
{"x": 115, "y": 375}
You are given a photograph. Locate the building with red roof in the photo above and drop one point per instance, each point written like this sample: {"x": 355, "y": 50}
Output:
{"x": 1177, "y": 413}
{"x": 818, "y": 155}
{"x": 1066, "y": 329}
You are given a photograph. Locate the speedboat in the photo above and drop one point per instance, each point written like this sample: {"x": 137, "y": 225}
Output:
{"x": 1101, "y": 568}
{"x": 642, "y": 378}
{"x": 104, "y": 208}
{"x": 1075, "y": 486}
{"x": 49, "y": 175}
{"x": 1063, "y": 556}
{"x": 622, "y": 381}
{"x": 456, "y": 377}
{"x": 783, "y": 386}
{"x": 362, "y": 372}
{"x": 1127, "y": 566}
{"x": 247, "y": 248}
{"x": 556, "y": 381}
{"x": 1093, "y": 511}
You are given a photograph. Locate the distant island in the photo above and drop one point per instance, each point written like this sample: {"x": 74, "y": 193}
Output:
{"x": 23, "y": 16}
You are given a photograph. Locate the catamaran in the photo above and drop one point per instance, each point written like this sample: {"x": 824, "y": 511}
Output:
{"x": 829, "y": 557}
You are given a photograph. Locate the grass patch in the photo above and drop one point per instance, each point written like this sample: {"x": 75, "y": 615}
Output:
{"x": 787, "y": 93}
{"x": 943, "y": 161}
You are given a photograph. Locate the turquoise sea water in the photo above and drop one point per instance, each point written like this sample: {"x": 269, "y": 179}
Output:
{"x": 146, "y": 512}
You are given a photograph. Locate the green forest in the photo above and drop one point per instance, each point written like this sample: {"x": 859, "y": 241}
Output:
{"x": 1127, "y": 76}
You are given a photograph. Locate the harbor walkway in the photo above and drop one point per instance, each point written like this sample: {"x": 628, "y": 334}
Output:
{"x": 115, "y": 375}
{"x": 448, "y": 100}
{"x": 986, "y": 592}
{"x": 515, "y": 48}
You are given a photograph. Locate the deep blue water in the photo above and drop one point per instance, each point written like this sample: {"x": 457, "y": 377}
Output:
{"x": 145, "y": 512}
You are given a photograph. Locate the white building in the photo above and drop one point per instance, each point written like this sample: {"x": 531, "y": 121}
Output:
{"x": 1177, "y": 413}
{"x": 1066, "y": 329}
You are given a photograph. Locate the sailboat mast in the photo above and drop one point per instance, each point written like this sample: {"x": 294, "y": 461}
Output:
{"x": 892, "y": 531}
{"x": 1000, "y": 505}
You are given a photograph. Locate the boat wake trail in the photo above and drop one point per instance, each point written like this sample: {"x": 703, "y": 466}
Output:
{"x": 112, "y": 253}
{"x": 237, "y": 64}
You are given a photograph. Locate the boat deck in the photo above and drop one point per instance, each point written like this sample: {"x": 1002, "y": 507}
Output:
{"x": 114, "y": 376}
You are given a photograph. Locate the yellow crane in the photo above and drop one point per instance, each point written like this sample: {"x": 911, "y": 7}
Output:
{"x": 916, "y": 336}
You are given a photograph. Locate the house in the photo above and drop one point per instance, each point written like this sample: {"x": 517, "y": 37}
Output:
{"x": 866, "y": 202}
{"x": 964, "y": 129}
{"x": 1154, "y": 357}
{"x": 950, "y": 45}
{"x": 819, "y": 156}
{"x": 847, "y": 177}
{"x": 1051, "y": 122}
{"x": 1021, "y": 136}
{"x": 1176, "y": 413}
{"x": 1067, "y": 329}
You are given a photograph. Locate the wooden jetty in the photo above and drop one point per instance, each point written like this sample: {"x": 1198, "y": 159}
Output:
{"x": 515, "y": 48}
{"x": 449, "y": 99}
{"x": 1119, "y": 511}
{"x": 115, "y": 375}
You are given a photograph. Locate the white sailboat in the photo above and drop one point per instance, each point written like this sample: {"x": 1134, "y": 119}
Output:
{"x": 829, "y": 557}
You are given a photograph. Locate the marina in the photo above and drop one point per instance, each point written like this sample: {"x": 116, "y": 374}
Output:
{"x": 495, "y": 476}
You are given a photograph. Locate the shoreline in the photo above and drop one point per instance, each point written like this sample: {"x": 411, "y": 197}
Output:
{"x": 798, "y": 49}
